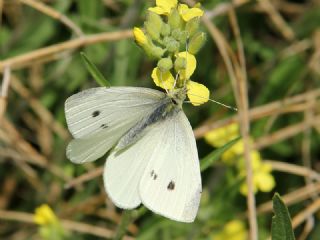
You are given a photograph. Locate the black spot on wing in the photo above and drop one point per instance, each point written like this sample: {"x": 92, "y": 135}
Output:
{"x": 153, "y": 175}
{"x": 104, "y": 126}
{"x": 171, "y": 185}
{"x": 96, "y": 113}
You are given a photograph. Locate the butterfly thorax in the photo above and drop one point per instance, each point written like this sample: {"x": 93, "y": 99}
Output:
{"x": 167, "y": 107}
{"x": 178, "y": 95}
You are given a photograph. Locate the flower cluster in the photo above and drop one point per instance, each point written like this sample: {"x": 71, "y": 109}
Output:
{"x": 49, "y": 225}
{"x": 171, "y": 36}
{"x": 233, "y": 230}
{"x": 262, "y": 177}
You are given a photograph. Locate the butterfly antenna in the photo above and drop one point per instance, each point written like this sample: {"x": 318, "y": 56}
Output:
{"x": 217, "y": 102}
{"x": 185, "y": 81}
{"x": 162, "y": 81}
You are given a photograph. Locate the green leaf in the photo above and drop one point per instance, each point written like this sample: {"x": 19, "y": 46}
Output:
{"x": 214, "y": 156}
{"x": 281, "y": 228}
{"x": 96, "y": 74}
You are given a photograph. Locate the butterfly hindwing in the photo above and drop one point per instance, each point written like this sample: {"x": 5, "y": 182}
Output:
{"x": 161, "y": 170}
{"x": 171, "y": 182}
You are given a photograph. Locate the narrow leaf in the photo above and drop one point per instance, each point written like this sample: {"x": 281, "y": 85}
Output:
{"x": 215, "y": 155}
{"x": 281, "y": 228}
{"x": 96, "y": 74}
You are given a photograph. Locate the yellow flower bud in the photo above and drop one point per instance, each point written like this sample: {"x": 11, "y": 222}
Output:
{"x": 192, "y": 26}
{"x": 165, "y": 64}
{"x": 139, "y": 36}
{"x": 153, "y": 25}
{"x": 165, "y": 30}
{"x": 196, "y": 42}
{"x": 180, "y": 64}
{"x": 174, "y": 19}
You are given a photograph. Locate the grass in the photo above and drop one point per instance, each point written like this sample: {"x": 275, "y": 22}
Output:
{"x": 261, "y": 56}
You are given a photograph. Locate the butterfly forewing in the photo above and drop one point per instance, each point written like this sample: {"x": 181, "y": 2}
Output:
{"x": 98, "y": 117}
{"x": 96, "y": 109}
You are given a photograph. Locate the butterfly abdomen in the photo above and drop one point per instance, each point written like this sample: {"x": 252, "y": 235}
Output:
{"x": 165, "y": 109}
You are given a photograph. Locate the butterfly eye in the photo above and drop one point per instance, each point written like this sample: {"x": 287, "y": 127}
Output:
{"x": 95, "y": 113}
{"x": 171, "y": 185}
{"x": 174, "y": 101}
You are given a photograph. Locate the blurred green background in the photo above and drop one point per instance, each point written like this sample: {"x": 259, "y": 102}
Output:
{"x": 281, "y": 41}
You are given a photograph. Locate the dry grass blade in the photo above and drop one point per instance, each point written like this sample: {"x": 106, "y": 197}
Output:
{"x": 67, "y": 224}
{"x": 224, "y": 8}
{"x": 306, "y": 213}
{"x": 285, "y": 133}
{"x": 294, "y": 169}
{"x": 290, "y": 104}
{"x": 293, "y": 197}
{"x": 4, "y": 90}
{"x": 26, "y": 59}
{"x": 54, "y": 14}
{"x": 277, "y": 19}
{"x": 84, "y": 177}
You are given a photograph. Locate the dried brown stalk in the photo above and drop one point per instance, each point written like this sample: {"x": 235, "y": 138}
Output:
{"x": 294, "y": 169}
{"x": 27, "y": 59}
{"x": 67, "y": 224}
{"x": 276, "y": 107}
{"x": 285, "y": 133}
{"x": 4, "y": 90}
{"x": 306, "y": 213}
{"x": 84, "y": 177}
{"x": 277, "y": 20}
{"x": 54, "y": 14}
{"x": 293, "y": 197}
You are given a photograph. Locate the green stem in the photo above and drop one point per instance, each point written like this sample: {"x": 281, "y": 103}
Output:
{"x": 125, "y": 221}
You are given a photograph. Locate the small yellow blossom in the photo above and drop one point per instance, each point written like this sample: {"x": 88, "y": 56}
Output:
{"x": 191, "y": 64}
{"x": 188, "y": 13}
{"x": 262, "y": 178}
{"x": 197, "y": 93}
{"x": 139, "y": 36}
{"x": 164, "y": 80}
{"x": 44, "y": 215}
{"x": 163, "y": 7}
{"x": 221, "y": 136}
{"x": 233, "y": 230}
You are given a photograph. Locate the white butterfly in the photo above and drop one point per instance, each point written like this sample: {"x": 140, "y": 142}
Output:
{"x": 154, "y": 159}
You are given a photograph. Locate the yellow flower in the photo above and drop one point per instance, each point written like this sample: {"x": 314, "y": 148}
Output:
{"x": 221, "y": 136}
{"x": 163, "y": 7}
{"x": 44, "y": 215}
{"x": 191, "y": 64}
{"x": 233, "y": 230}
{"x": 164, "y": 80}
{"x": 197, "y": 93}
{"x": 188, "y": 13}
{"x": 139, "y": 36}
{"x": 262, "y": 177}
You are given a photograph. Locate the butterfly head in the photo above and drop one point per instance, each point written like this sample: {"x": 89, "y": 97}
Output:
{"x": 178, "y": 95}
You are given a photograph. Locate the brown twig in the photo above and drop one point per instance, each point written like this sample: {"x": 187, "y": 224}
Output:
{"x": 243, "y": 106}
{"x": 276, "y": 107}
{"x": 306, "y": 213}
{"x": 291, "y": 198}
{"x": 54, "y": 14}
{"x": 84, "y": 177}
{"x": 67, "y": 224}
{"x": 307, "y": 228}
{"x": 277, "y": 20}
{"x": 294, "y": 169}
{"x": 44, "y": 114}
{"x": 224, "y": 8}
{"x": 285, "y": 133}
{"x": 28, "y": 58}
{"x": 4, "y": 91}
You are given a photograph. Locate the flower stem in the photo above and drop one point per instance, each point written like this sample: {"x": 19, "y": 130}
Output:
{"x": 125, "y": 221}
